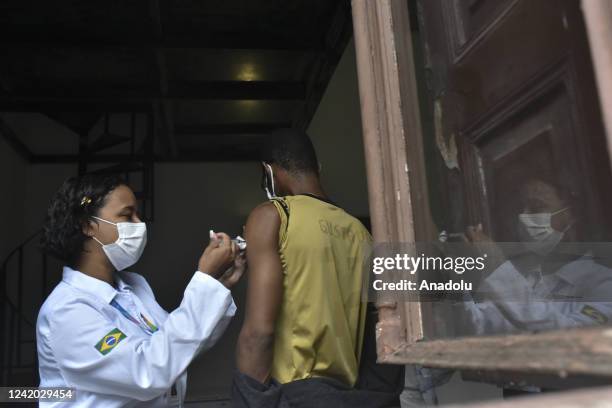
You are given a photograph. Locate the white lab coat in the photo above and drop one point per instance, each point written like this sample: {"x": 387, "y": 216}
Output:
{"x": 578, "y": 294}
{"x": 141, "y": 368}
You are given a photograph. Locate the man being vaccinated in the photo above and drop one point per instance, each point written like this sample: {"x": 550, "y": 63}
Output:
{"x": 304, "y": 325}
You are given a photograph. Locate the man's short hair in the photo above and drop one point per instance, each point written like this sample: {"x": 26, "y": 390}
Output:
{"x": 292, "y": 150}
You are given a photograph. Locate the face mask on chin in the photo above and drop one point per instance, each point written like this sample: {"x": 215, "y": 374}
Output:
{"x": 537, "y": 232}
{"x": 128, "y": 248}
{"x": 267, "y": 181}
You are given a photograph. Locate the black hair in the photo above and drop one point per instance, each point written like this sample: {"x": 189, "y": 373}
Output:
{"x": 70, "y": 209}
{"x": 292, "y": 150}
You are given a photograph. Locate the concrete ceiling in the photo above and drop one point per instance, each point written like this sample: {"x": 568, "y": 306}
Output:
{"x": 213, "y": 76}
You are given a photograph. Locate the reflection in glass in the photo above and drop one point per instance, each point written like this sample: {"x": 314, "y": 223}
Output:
{"x": 555, "y": 282}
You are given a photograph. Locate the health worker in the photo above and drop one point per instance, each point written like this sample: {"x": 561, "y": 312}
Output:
{"x": 101, "y": 331}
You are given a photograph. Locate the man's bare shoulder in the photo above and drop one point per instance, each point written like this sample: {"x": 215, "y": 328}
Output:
{"x": 262, "y": 225}
{"x": 265, "y": 211}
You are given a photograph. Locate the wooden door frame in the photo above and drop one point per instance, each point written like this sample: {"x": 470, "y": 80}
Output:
{"x": 393, "y": 151}
{"x": 591, "y": 398}
{"x": 399, "y": 208}
{"x": 598, "y": 21}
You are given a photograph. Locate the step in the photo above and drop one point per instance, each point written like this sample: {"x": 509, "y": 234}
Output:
{"x": 106, "y": 141}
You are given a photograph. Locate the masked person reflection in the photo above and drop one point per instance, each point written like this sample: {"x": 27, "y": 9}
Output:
{"x": 101, "y": 330}
{"x": 548, "y": 286}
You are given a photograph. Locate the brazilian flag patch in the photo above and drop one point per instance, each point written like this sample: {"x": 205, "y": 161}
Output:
{"x": 110, "y": 341}
{"x": 594, "y": 314}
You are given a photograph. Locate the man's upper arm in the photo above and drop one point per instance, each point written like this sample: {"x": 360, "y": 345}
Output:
{"x": 265, "y": 276}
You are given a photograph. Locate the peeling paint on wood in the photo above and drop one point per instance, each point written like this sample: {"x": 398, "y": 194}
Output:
{"x": 446, "y": 146}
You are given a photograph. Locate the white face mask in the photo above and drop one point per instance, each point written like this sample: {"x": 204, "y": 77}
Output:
{"x": 128, "y": 248}
{"x": 268, "y": 181}
{"x": 539, "y": 235}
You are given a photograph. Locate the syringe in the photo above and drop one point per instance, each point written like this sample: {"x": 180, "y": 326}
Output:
{"x": 241, "y": 242}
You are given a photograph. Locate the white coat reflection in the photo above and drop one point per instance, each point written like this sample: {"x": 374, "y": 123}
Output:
{"x": 552, "y": 284}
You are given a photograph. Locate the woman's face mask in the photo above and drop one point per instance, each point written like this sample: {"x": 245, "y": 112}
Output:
{"x": 538, "y": 233}
{"x": 128, "y": 248}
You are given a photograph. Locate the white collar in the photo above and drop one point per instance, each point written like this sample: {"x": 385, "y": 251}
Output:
{"x": 92, "y": 285}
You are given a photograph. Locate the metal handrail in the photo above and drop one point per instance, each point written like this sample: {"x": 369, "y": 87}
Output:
{"x": 3, "y": 275}
{"x": 14, "y": 251}
{"x": 11, "y": 315}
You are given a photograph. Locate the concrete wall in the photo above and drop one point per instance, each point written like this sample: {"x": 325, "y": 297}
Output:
{"x": 29, "y": 187}
{"x": 336, "y": 134}
{"x": 190, "y": 200}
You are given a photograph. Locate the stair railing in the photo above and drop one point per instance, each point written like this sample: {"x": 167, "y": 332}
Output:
{"x": 13, "y": 318}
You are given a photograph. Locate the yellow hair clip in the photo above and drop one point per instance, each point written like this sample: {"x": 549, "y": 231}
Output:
{"x": 85, "y": 201}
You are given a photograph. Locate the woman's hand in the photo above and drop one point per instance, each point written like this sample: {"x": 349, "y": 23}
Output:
{"x": 218, "y": 255}
{"x": 485, "y": 246}
{"x": 233, "y": 274}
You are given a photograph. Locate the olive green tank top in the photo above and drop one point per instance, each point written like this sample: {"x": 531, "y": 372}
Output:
{"x": 320, "y": 328}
